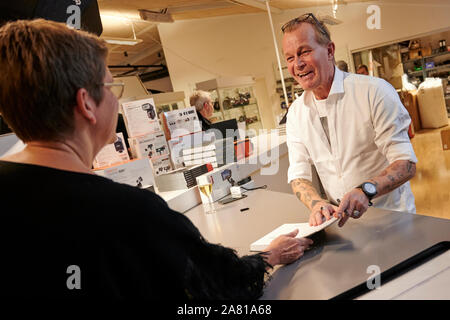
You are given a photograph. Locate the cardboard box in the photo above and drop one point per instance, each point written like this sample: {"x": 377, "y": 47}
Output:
{"x": 445, "y": 137}
{"x": 414, "y": 53}
{"x": 409, "y": 100}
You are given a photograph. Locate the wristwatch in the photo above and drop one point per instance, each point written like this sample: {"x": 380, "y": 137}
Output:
{"x": 369, "y": 189}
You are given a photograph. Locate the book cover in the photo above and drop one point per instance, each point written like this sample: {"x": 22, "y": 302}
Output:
{"x": 305, "y": 230}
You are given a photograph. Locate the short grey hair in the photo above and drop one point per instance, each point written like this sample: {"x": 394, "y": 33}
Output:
{"x": 342, "y": 65}
{"x": 198, "y": 99}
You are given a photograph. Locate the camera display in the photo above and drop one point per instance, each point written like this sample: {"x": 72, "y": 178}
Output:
{"x": 118, "y": 145}
{"x": 150, "y": 109}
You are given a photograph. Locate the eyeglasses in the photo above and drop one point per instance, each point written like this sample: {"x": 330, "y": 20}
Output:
{"x": 117, "y": 88}
{"x": 304, "y": 18}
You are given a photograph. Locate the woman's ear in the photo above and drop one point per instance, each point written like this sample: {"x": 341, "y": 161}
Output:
{"x": 86, "y": 106}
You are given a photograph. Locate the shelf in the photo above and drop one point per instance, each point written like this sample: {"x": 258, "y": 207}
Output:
{"x": 430, "y": 69}
{"x": 428, "y": 57}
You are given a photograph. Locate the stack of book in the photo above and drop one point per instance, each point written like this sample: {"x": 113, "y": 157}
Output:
{"x": 200, "y": 155}
{"x": 180, "y": 179}
{"x": 194, "y": 143}
{"x": 225, "y": 151}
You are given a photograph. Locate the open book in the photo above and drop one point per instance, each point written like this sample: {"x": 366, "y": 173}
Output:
{"x": 305, "y": 230}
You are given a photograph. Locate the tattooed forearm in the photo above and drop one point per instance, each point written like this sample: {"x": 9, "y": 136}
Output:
{"x": 305, "y": 192}
{"x": 394, "y": 176}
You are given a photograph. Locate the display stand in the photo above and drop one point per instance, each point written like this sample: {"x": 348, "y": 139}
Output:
{"x": 169, "y": 101}
{"x": 234, "y": 98}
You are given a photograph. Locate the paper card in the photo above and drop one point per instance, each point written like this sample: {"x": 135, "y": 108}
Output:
{"x": 140, "y": 117}
{"x": 220, "y": 180}
{"x": 305, "y": 230}
{"x": 112, "y": 153}
{"x": 161, "y": 165}
{"x": 181, "y": 122}
{"x": 136, "y": 173}
{"x": 149, "y": 145}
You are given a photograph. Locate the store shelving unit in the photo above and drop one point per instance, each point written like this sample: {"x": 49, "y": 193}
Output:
{"x": 424, "y": 72}
{"x": 234, "y": 98}
{"x": 169, "y": 101}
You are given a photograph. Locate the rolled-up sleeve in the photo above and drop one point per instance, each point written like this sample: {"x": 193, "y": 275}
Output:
{"x": 299, "y": 159}
{"x": 391, "y": 122}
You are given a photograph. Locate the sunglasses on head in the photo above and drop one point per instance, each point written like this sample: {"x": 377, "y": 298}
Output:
{"x": 303, "y": 18}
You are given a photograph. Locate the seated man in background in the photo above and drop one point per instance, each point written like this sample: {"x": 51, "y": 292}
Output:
{"x": 66, "y": 232}
{"x": 342, "y": 65}
{"x": 202, "y": 102}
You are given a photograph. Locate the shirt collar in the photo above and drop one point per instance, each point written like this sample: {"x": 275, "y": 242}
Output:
{"x": 338, "y": 82}
{"x": 336, "y": 87}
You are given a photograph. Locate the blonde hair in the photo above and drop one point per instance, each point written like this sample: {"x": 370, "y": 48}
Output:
{"x": 323, "y": 36}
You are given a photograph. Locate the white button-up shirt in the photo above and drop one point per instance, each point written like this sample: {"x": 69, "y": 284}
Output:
{"x": 368, "y": 127}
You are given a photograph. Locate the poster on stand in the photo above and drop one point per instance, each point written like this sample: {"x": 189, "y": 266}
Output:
{"x": 140, "y": 117}
{"x": 137, "y": 173}
{"x": 181, "y": 122}
{"x": 112, "y": 153}
{"x": 149, "y": 145}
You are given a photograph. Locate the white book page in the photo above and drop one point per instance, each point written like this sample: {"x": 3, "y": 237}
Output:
{"x": 305, "y": 230}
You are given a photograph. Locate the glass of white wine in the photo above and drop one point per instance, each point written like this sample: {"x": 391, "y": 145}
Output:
{"x": 205, "y": 187}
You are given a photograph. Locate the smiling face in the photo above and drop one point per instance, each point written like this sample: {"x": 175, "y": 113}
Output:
{"x": 309, "y": 62}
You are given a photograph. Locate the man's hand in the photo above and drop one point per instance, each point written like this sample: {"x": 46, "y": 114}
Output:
{"x": 353, "y": 204}
{"x": 321, "y": 210}
{"x": 287, "y": 248}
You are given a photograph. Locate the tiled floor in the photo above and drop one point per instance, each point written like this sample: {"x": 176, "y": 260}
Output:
{"x": 431, "y": 184}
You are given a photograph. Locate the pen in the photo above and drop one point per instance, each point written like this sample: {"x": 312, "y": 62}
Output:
{"x": 339, "y": 202}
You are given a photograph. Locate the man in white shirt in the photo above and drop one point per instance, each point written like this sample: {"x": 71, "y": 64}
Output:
{"x": 353, "y": 128}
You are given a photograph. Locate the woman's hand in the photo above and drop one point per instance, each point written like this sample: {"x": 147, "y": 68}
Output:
{"x": 286, "y": 248}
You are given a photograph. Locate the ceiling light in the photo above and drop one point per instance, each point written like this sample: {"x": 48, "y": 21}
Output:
{"x": 122, "y": 41}
{"x": 155, "y": 16}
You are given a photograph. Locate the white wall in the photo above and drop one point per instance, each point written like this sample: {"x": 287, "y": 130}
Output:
{"x": 198, "y": 50}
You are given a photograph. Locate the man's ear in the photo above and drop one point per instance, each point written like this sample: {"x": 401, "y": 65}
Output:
{"x": 331, "y": 50}
{"x": 86, "y": 106}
